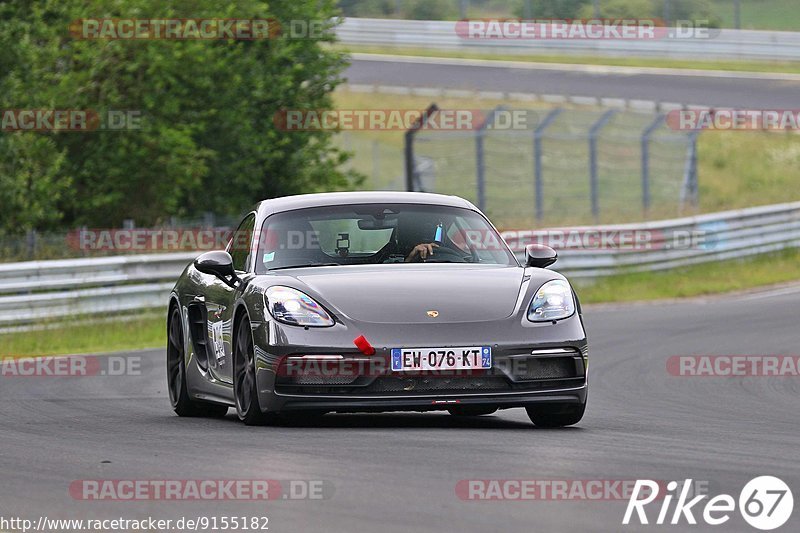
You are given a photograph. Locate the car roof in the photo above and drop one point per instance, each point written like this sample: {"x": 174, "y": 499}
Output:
{"x": 301, "y": 201}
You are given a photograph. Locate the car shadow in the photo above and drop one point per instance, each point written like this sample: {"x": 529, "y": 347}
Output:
{"x": 409, "y": 421}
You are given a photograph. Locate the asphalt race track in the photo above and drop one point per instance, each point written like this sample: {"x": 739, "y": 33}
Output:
{"x": 398, "y": 472}
{"x": 704, "y": 89}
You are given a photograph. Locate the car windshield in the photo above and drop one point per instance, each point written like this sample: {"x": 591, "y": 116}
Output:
{"x": 370, "y": 234}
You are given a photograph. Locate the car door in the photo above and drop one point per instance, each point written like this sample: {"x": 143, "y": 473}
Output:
{"x": 220, "y": 299}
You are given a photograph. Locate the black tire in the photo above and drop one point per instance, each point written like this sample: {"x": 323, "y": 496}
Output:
{"x": 245, "y": 391}
{"x": 556, "y": 415}
{"x": 176, "y": 375}
{"x": 469, "y": 410}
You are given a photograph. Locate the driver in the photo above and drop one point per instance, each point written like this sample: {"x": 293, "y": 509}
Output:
{"x": 418, "y": 239}
{"x": 421, "y": 252}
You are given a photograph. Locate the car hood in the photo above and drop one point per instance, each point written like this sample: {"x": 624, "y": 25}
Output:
{"x": 406, "y": 293}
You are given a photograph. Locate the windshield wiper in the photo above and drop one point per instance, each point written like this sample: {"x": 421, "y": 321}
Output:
{"x": 307, "y": 265}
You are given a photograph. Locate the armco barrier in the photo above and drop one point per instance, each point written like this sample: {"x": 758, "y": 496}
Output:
{"x": 441, "y": 35}
{"x": 39, "y": 290}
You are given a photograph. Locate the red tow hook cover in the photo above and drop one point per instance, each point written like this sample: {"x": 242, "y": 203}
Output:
{"x": 363, "y": 344}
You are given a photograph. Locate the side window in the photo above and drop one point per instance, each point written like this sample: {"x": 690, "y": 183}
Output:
{"x": 241, "y": 242}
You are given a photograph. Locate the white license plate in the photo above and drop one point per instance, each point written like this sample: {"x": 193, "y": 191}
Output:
{"x": 459, "y": 358}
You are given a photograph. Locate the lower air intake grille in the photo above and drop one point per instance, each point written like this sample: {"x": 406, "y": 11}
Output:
{"x": 544, "y": 368}
{"x": 425, "y": 384}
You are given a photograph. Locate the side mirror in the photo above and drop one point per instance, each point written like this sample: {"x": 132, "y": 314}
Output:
{"x": 539, "y": 256}
{"x": 218, "y": 263}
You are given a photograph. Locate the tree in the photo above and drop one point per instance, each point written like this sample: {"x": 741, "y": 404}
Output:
{"x": 207, "y": 139}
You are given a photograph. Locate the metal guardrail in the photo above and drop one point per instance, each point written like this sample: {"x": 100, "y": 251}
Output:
{"x": 41, "y": 290}
{"x": 441, "y": 35}
{"x": 690, "y": 240}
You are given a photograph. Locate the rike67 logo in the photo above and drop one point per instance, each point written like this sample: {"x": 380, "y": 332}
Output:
{"x": 765, "y": 503}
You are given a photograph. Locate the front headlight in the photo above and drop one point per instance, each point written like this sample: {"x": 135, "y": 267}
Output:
{"x": 291, "y": 306}
{"x": 552, "y": 301}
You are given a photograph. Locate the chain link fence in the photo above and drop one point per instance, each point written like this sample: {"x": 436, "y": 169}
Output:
{"x": 570, "y": 166}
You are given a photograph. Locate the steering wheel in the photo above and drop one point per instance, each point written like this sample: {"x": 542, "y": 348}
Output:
{"x": 445, "y": 255}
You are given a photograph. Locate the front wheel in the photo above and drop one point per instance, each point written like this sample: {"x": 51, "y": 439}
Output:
{"x": 176, "y": 375}
{"x": 556, "y": 415}
{"x": 245, "y": 389}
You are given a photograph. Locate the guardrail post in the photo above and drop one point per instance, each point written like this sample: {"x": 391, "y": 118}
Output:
{"x": 411, "y": 172}
{"x": 593, "y": 184}
{"x": 648, "y": 132}
{"x": 538, "y": 185}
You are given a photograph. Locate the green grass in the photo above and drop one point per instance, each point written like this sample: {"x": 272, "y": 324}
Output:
{"x": 780, "y": 15}
{"x": 698, "y": 280}
{"x": 789, "y": 67}
{"x": 123, "y": 333}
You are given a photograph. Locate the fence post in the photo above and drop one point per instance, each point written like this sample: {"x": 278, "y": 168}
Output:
{"x": 538, "y": 133}
{"x": 30, "y": 243}
{"x": 480, "y": 160}
{"x": 693, "y": 185}
{"x": 409, "y": 146}
{"x": 648, "y": 132}
{"x": 480, "y": 168}
{"x": 690, "y": 185}
{"x": 593, "y": 131}
{"x": 376, "y": 161}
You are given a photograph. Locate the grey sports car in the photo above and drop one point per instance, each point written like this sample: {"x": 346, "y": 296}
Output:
{"x": 374, "y": 301}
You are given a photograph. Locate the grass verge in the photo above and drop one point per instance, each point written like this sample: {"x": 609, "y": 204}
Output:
{"x": 109, "y": 335}
{"x": 782, "y": 67}
{"x": 697, "y": 280}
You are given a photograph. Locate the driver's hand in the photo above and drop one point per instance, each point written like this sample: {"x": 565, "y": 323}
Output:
{"x": 421, "y": 252}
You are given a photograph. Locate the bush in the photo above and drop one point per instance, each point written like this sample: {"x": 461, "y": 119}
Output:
{"x": 208, "y": 141}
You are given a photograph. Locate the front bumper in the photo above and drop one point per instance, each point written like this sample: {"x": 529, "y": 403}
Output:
{"x": 534, "y": 364}
{"x": 428, "y": 403}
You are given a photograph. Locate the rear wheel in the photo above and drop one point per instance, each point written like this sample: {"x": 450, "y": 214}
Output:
{"x": 176, "y": 374}
{"x": 244, "y": 379}
{"x": 468, "y": 410}
{"x": 556, "y": 415}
